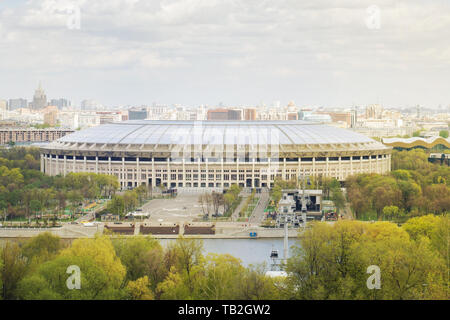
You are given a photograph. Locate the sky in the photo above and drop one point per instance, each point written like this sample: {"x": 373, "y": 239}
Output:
{"x": 235, "y": 52}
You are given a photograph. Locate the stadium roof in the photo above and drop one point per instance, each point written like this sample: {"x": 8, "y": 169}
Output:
{"x": 151, "y": 132}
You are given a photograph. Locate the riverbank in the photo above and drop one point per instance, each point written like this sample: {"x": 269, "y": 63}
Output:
{"x": 222, "y": 232}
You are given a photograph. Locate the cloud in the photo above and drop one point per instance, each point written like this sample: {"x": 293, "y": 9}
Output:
{"x": 287, "y": 47}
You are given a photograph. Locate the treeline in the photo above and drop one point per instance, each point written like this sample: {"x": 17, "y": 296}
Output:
{"x": 132, "y": 268}
{"x": 414, "y": 187}
{"x": 329, "y": 262}
{"x": 129, "y": 200}
{"x": 212, "y": 202}
{"x": 25, "y": 190}
{"x": 332, "y": 261}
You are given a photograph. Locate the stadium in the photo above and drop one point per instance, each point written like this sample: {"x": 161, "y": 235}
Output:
{"x": 214, "y": 154}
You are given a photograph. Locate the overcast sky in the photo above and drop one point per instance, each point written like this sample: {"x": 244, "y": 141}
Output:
{"x": 238, "y": 52}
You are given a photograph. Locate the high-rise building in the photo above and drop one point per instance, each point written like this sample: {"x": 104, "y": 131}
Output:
{"x": 137, "y": 114}
{"x": 90, "y": 104}
{"x": 50, "y": 115}
{"x": 39, "y": 99}
{"x": 292, "y": 116}
{"x": 3, "y": 105}
{"x": 224, "y": 114}
{"x": 60, "y": 103}
{"x": 17, "y": 104}
{"x": 374, "y": 111}
{"x": 250, "y": 114}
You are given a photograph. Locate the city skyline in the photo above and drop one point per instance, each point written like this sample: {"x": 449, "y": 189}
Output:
{"x": 234, "y": 52}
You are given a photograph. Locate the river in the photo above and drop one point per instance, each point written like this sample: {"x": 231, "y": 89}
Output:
{"x": 250, "y": 251}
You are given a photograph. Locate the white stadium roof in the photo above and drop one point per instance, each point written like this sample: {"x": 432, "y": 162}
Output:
{"x": 150, "y": 132}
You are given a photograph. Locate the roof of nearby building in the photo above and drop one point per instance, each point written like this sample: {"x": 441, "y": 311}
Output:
{"x": 416, "y": 142}
{"x": 141, "y": 132}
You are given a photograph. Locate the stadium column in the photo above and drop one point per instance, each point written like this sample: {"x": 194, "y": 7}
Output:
{"x": 284, "y": 169}
{"x": 253, "y": 172}
{"x": 85, "y": 164}
{"x": 380, "y": 163}
{"x": 327, "y": 173}
{"x": 313, "y": 166}
{"x": 168, "y": 173}
{"x": 207, "y": 173}
{"x": 370, "y": 163}
{"x": 183, "y": 180}
{"x": 42, "y": 163}
{"x": 57, "y": 164}
{"x": 153, "y": 173}
{"x": 237, "y": 169}
{"x": 50, "y": 165}
{"x": 340, "y": 175}
{"x": 361, "y": 164}
{"x": 65, "y": 165}
{"x": 74, "y": 159}
{"x": 138, "y": 172}
{"x": 389, "y": 163}
{"x": 222, "y": 172}
{"x": 123, "y": 183}
{"x": 351, "y": 165}
{"x": 109, "y": 165}
{"x": 96, "y": 164}
{"x": 199, "y": 173}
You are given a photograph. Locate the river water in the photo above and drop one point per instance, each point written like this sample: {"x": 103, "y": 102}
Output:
{"x": 250, "y": 251}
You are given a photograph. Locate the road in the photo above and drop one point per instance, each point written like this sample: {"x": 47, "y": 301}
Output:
{"x": 183, "y": 208}
{"x": 258, "y": 213}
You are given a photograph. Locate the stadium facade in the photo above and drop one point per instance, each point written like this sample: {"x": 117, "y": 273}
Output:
{"x": 214, "y": 154}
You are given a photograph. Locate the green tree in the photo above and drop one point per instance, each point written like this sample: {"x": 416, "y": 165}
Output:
{"x": 139, "y": 289}
{"x": 101, "y": 271}
{"x": 42, "y": 247}
{"x": 443, "y": 134}
{"x": 133, "y": 252}
{"x": 14, "y": 268}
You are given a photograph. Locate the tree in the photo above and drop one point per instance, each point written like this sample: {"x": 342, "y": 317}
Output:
{"x": 228, "y": 199}
{"x": 130, "y": 200}
{"x": 443, "y": 134}
{"x": 186, "y": 268}
{"x": 217, "y": 201}
{"x": 14, "y": 268}
{"x": 1, "y": 273}
{"x": 423, "y": 226}
{"x": 331, "y": 263}
{"x": 3, "y": 206}
{"x": 391, "y": 212}
{"x": 35, "y": 206}
{"x": 101, "y": 272}
{"x": 337, "y": 197}
{"x": 42, "y": 247}
{"x": 139, "y": 289}
{"x": 116, "y": 205}
{"x": 133, "y": 253}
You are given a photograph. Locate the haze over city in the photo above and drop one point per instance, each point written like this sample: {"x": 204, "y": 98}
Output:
{"x": 325, "y": 53}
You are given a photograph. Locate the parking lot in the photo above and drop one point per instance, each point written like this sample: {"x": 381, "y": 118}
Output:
{"x": 183, "y": 208}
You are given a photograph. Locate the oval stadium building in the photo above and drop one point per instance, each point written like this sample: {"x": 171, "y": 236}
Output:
{"x": 214, "y": 154}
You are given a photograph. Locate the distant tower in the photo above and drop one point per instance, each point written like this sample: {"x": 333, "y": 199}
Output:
{"x": 418, "y": 111}
{"x": 39, "y": 99}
